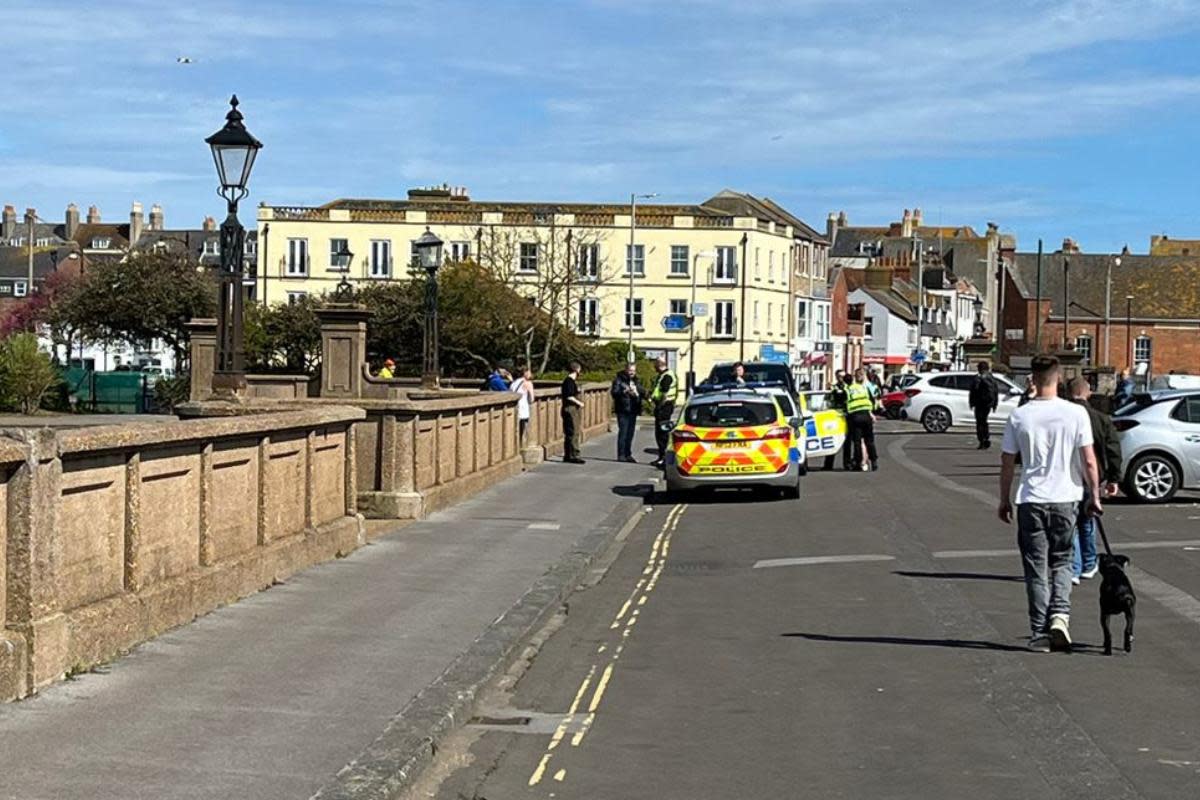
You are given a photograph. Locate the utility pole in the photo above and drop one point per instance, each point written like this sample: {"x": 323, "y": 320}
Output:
{"x": 1037, "y": 317}
{"x": 629, "y": 261}
{"x": 31, "y": 218}
{"x": 1066, "y": 300}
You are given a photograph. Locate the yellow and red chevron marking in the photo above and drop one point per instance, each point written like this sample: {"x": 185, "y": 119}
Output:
{"x": 755, "y": 455}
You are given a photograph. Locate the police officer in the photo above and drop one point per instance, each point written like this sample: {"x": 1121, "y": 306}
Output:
{"x": 663, "y": 394}
{"x": 860, "y": 421}
{"x": 837, "y": 401}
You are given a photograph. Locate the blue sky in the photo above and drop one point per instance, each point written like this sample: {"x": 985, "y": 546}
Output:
{"x": 1051, "y": 117}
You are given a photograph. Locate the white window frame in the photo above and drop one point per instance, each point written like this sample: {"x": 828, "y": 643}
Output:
{"x": 1143, "y": 349}
{"x": 380, "y": 262}
{"x": 588, "y": 265}
{"x": 295, "y": 297}
{"x": 868, "y": 327}
{"x": 1085, "y": 346}
{"x": 635, "y": 316}
{"x": 754, "y": 318}
{"x": 296, "y": 260}
{"x": 20, "y": 288}
{"x": 99, "y": 242}
{"x": 680, "y": 259}
{"x": 587, "y": 316}
{"x": 460, "y": 251}
{"x": 635, "y": 260}
{"x": 770, "y": 318}
{"x": 338, "y": 263}
{"x": 824, "y": 322}
{"x": 724, "y": 320}
{"x": 770, "y": 266}
{"x": 677, "y": 306}
{"x": 803, "y": 319}
{"x": 528, "y": 256}
{"x": 725, "y": 266}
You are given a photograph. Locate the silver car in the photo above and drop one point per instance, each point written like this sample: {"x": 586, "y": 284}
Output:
{"x": 1160, "y": 444}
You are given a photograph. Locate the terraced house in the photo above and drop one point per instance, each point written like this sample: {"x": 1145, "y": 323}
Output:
{"x": 737, "y": 261}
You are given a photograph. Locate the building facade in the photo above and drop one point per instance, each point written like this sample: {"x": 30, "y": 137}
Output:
{"x": 732, "y": 260}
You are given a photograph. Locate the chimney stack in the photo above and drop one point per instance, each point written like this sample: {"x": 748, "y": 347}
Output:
{"x": 831, "y": 228}
{"x": 9, "y": 229}
{"x": 906, "y": 224}
{"x": 210, "y": 224}
{"x": 30, "y": 221}
{"x": 156, "y": 218}
{"x": 1069, "y": 245}
{"x": 917, "y": 219}
{"x": 842, "y": 221}
{"x": 93, "y": 217}
{"x": 72, "y": 221}
{"x": 878, "y": 275}
{"x": 137, "y": 222}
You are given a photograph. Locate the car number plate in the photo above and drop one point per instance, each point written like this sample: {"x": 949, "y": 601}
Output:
{"x": 729, "y": 445}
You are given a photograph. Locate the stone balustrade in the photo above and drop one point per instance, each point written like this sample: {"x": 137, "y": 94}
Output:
{"x": 115, "y": 534}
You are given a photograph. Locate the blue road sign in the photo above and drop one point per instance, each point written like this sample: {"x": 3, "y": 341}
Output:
{"x": 675, "y": 322}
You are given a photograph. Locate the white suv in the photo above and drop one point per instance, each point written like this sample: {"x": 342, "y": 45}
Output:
{"x": 939, "y": 399}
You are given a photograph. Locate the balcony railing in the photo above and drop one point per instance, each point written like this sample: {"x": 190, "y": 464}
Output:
{"x": 714, "y": 222}
{"x": 458, "y": 216}
{"x": 300, "y": 212}
{"x": 376, "y": 215}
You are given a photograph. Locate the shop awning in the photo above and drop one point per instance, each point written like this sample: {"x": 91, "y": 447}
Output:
{"x": 890, "y": 361}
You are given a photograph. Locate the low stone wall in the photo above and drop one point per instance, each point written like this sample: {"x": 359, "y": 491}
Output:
{"x": 545, "y": 435}
{"x": 113, "y": 535}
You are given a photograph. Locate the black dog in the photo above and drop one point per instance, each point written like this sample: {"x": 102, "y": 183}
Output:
{"x": 1116, "y": 597}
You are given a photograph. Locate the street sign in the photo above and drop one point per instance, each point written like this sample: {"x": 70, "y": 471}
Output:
{"x": 768, "y": 353}
{"x": 675, "y": 322}
{"x": 699, "y": 309}
{"x": 918, "y": 357}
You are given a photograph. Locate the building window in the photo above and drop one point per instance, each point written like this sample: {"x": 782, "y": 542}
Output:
{"x": 824, "y": 329}
{"x": 635, "y": 259}
{"x": 337, "y": 261}
{"x": 678, "y": 307}
{"x": 771, "y": 266}
{"x": 758, "y": 264}
{"x": 296, "y": 297}
{"x": 460, "y": 251}
{"x": 99, "y": 243}
{"x": 770, "y": 318}
{"x": 589, "y": 262}
{"x": 633, "y": 313}
{"x": 679, "y": 259}
{"x": 587, "y": 319}
{"x": 723, "y": 319}
{"x": 1142, "y": 350}
{"x": 212, "y": 247}
{"x": 529, "y": 257}
{"x": 912, "y": 335}
{"x": 1083, "y": 345}
{"x": 20, "y": 288}
{"x": 44, "y": 242}
{"x": 802, "y": 324}
{"x": 868, "y": 327}
{"x": 297, "y": 257}
{"x": 754, "y": 318}
{"x": 725, "y": 270}
{"x": 381, "y": 258}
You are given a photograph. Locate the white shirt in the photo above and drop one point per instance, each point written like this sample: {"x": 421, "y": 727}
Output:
{"x": 522, "y": 388}
{"x": 1049, "y": 434}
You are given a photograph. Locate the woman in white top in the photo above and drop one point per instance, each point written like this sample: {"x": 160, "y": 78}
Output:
{"x": 523, "y": 386}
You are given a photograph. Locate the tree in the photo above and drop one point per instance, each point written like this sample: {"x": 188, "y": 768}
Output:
{"x": 26, "y": 373}
{"x": 145, "y": 296}
{"x": 45, "y": 307}
{"x": 283, "y": 337}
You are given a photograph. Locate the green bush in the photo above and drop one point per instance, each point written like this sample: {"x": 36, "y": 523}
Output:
{"x": 170, "y": 392}
{"x": 26, "y": 373}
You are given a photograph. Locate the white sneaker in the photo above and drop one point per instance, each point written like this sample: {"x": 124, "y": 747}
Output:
{"x": 1060, "y": 633}
{"x": 1091, "y": 573}
{"x": 1075, "y": 580}
{"x": 1039, "y": 643}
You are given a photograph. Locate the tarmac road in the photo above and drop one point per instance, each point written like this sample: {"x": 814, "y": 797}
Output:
{"x": 865, "y": 641}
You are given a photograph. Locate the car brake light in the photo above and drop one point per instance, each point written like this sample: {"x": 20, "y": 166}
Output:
{"x": 1124, "y": 424}
{"x": 782, "y": 432}
{"x": 911, "y": 392}
{"x": 684, "y": 436}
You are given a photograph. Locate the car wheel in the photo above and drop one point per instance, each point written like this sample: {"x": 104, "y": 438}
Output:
{"x": 894, "y": 411}
{"x": 1152, "y": 479}
{"x": 936, "y": 419}
{"x": 791, "y": 492}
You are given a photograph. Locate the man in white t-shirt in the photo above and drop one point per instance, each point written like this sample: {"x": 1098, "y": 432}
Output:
{"x": 1054, "y": 440}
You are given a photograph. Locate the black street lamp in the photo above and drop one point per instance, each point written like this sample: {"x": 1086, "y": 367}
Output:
{"x": 345, "y": 291}
{"x": 429, "y": 256}
{"x": 977, "y": 304}
{"x": 234, "y": 151}
{"x": 1129, "y": 329}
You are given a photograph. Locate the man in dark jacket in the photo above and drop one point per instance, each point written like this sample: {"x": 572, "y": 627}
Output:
{"x": 983, "y": 400}
{"x": 1107, "y": 445}
{"x": 627, "y": 404}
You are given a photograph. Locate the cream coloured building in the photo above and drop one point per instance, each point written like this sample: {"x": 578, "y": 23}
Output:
{"x": 741, "y": 260}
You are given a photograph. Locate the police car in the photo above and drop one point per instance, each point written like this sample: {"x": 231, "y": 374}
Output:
{"x": 736, "y": 436}
{"x": 824, "y": 427}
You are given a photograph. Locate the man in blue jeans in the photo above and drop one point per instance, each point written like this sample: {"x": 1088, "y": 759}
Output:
{"x": 1107, "y": 445}
{"x": 1054, "y": 440}
{"x": 627, "y": 404}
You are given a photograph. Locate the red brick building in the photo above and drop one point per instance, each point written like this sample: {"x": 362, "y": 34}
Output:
{"x": 1139, "y": 311}
{"x": 846, "y": 322}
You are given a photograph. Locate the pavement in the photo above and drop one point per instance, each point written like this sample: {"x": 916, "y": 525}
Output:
{"x": 336, "y": 679}
{"x": 864, "y": 641}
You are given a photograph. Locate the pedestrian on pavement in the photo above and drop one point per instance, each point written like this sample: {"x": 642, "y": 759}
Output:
{"x": 387, "y": 371}
{"x": 572, "y": 414}
{"x": 1054, "y": 439}
{"x": 627, "y": 404}
{"x": 1124, "y": 391}
{"x": 495, "y": 381}
{"x": 860, "y": 421}
{"x": 663, "y": 395}
{"x": 1107, "y": 446}
{"x": 523, "y": 386}
{"x": 984, "y": 398}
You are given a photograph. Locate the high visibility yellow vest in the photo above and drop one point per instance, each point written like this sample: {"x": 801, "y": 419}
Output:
{"x": 858, "y": 398}
{"x": 657, "y": 395}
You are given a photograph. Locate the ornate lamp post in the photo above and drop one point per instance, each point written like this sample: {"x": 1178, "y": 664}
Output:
{"x": 980, "y": 328}
{"x": 344, "y": 292}
{"x": 234, "y": 151}
{"x": 429, "y": 255}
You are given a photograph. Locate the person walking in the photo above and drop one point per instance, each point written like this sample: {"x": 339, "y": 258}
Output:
{"x": 1124, "y": 391}
{"x": 860, "y": 421}
{"x": 572, "y": 414}
{"x": 663, "y": 395}
{"x": 523, "y": 386}
{"x": 1054, "y": 439}
{"x": 983, "y": 398}
{"x": 627, "y": 404}
{"x": 1107, "y": 446}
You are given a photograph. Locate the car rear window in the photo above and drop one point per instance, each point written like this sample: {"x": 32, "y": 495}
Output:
{"x": 730, "y": 414}
{"x": 755, "y": 373}
{"x": 1135, "y": 405}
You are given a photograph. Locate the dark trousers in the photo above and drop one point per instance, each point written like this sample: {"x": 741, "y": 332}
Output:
{"x": 981, "y": 426}
{"x": 626, "y": 424}
{"x": 662, "y": 427}
{"x": 861, "y": 427}
{"x": 570, "y": 420}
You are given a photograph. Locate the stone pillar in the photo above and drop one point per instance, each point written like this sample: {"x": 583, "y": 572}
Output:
{"x": 202, "y": 336}
{"x": 976, "y": 350}
{"x": 1071, "y": 364}
{"x": 343, "y": 349}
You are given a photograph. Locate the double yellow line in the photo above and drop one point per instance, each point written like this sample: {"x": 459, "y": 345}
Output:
{"x": 609, "y": 652}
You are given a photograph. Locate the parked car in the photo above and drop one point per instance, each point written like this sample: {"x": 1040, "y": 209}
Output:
{"x": 939, "y": 400}
{"x": 824, "y": 427}
{"x": 1160, "y": 444}
{"x": 893, "y": 403}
